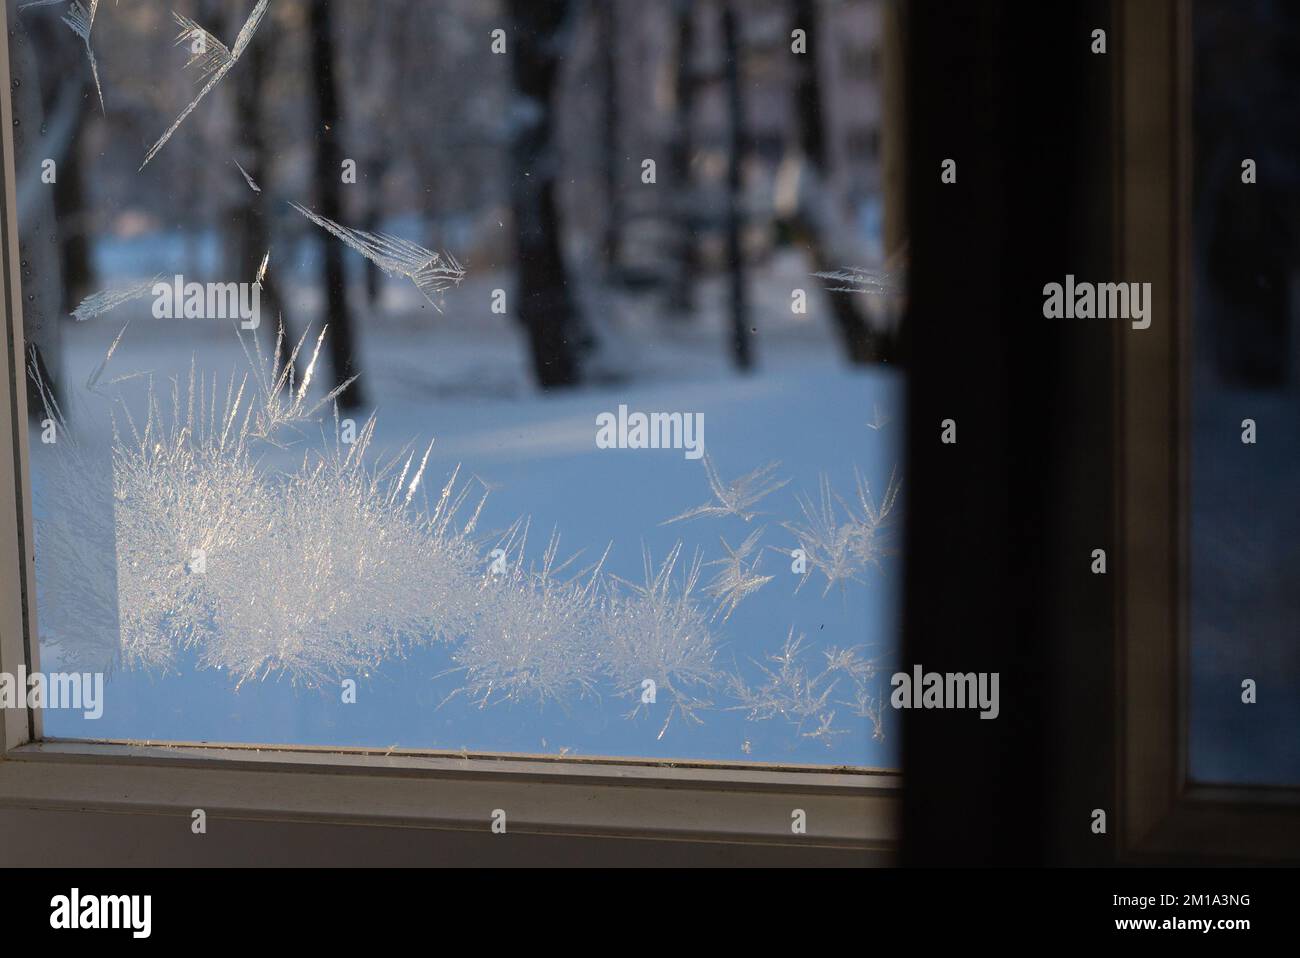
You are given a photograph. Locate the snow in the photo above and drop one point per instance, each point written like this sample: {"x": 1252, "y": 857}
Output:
{"x": 320, "y": 564}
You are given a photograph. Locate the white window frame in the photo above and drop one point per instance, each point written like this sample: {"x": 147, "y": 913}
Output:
{"x": 846, "y": 809}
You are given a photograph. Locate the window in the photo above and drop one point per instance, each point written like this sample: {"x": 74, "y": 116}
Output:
{"x": 1183, "y": 794}
{"x": 362, "y": 415}
{"x": 515, "y": 280}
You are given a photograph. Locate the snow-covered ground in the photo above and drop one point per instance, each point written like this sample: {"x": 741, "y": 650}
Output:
{"x": 461, "y": 378}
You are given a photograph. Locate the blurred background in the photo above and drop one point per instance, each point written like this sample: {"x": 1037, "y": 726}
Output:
{"x": 526, "y": 164}
{"x": 1245, "y": 365}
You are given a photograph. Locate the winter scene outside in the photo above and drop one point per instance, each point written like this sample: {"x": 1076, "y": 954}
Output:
{"x": 484, "y": 375}
{"x": 1244, "y": 615}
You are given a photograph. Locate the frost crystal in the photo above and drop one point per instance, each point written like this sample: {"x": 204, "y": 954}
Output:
{"x": 215, "y": 60}
{"x": 97, "y": 303}
{"x": 739, "y": 577}
{"x": 802, "y": 696}
{"x": 77, "y": 592}
{"x": 857, "y": 279}
{"x": 309, "y": 574}
{"x": 247, "y": 179}
{"x": 92, "y": 381}
{"x": 430, "y": 272}
{"x": 655, "y": 631}
{"x": 867, "y": 701}
{"x": 80, "y": 19}
{"x": 871, "y": 520}
{"x": 532, "y": 637}
{"x": 841, "y": 550}
{"x": 176, "y": 542}
{"x": 282, "y": 403}
{"x": 733, "y": 498}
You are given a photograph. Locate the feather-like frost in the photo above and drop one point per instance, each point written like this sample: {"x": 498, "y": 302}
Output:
{"x": 101, "y": 302}
{"x": 738, "y": 578}
{"x": 859, "y": 279}
{"x": 431, "y": 272}
{"x": 80, "y": 19}
{"x": 733, "y": 498}
{"x": 214, "y": 60}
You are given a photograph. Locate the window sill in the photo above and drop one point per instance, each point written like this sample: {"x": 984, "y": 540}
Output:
{"x": 854, "y": 810}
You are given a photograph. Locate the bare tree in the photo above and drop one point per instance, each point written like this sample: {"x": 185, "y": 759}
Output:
{"x": 742, "y": 350}
{"x": 681, "y": 292}
{"x": 342, "y": 345}
{"x": 815, "y": 216}
{"x": 607, "y": 33}
{"x": 544, "y": 304}
{"x": 252, "y": 213}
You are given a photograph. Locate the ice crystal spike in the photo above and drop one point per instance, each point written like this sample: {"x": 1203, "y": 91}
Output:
{"x": 430, "y": 272}
{"x": 326, "y": 567}
{"x": 739, "y": 576}
{"x": 75, "y": 551}
{"x": 871, "y": 520}
{"x": 792, "y": 690}
{"x": 206, "y": 50}
{"x": 842, "y": 549}
{"x": 857, "y": 279}
{"x": 92, "y": 381}
{"x": 866, "y": 702}
{"x": 309, "y": 573}
{"x": 215, "y": 60}
{"x": 534, "y": 637}
{"x": 247, "y": 179}
{"x": 283, "y": 403}
{"x": 733, "y": 498}
{"x": 80, "y": 19}
{"x": 656, "y": 631}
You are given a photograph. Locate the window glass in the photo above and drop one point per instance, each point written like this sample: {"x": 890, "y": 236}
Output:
{"x": 510, "y": 376}
{"x": 1245, "y": 447}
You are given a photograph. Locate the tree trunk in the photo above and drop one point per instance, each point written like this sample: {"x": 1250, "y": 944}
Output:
{"x": 71, "y": 214}
{"x": 372, "y": 224}
{"x": 681, "y": 296}
{"x": 544, "y": 306}
{"x": 68, "y": 103}
{"x": 608, "y": 32}
{"x": 252, "y": 214}
{"x": 342, "y": 345}
{"x": 742, "y": 350}
{"x": 815, "y": 214}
